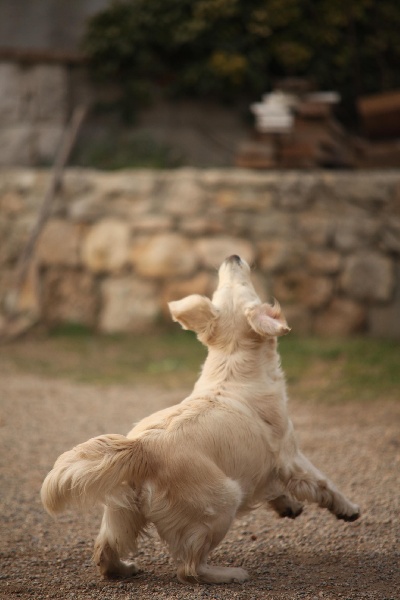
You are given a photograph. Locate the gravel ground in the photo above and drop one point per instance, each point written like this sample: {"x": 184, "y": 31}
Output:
{"x": 313, "y": 557}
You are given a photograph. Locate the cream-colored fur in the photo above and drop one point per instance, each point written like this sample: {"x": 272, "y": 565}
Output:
{"x": 190, "y": 469}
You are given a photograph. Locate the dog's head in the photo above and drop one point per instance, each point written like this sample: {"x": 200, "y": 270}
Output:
{"x": 235, "y": 312}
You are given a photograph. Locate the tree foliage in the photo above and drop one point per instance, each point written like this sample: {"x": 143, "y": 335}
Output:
{"x": 237, "y": 48}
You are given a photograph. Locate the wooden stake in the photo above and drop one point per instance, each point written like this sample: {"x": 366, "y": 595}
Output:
{"x": 18, "y": 323}
{"x": 67, "y": 143}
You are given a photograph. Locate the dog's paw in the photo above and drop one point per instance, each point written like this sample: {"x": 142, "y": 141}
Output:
{"x": 240, "y": 575}
{"x": 213, "y": 574}
{"x": 350, "y": 517}
{"x": 291, "y": 512}
{"x": 286, "y": 507}
{"x": 124, "y": 570}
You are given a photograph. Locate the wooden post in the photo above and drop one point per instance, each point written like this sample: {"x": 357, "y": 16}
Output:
{"x": 17, "y": 323}
{"x": 62, "y": 156}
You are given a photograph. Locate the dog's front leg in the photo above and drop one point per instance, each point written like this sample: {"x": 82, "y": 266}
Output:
{"x": 306, "y": 482}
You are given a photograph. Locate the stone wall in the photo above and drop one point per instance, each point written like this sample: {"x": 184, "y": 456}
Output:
{"x": 119, "y": 246}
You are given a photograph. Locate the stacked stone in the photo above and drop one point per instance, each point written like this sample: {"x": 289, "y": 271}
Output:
{"x": 119, "y": 246}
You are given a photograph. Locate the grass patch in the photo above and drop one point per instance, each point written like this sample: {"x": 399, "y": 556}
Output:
{"x": 316, "y": 369}
{"x": 170, "y": 359}
{"x": 341, "y": 370}
{"x": 122, "y": 150}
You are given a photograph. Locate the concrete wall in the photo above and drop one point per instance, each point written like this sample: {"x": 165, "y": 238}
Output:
{"x": 119, "y": 246}
{"x": 37, "y": 98}
{"x": 55, "y": 25}
{"x": 34, "y": 107}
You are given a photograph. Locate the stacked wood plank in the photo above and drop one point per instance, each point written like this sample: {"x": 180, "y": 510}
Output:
{"x": 380, "y": 115}
{"x": 380, "y": 121}
{"x": 315, "y": 138}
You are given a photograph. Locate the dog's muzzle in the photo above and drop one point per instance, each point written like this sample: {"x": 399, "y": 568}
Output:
{"x": 234, "y": 259}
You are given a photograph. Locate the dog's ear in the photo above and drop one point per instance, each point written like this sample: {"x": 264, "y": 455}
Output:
{"x": 267, "y": 320}
{"x": 195, "y": 312}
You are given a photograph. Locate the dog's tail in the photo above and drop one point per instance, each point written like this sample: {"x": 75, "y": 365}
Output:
{"x": 105, "y": 469}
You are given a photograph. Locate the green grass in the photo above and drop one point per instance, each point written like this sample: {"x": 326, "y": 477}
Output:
{"x": 123, "y": 150}
{"x": 316, "y": 369}
{"x": 170, "y": 359}
{"x": 342, "y": 370}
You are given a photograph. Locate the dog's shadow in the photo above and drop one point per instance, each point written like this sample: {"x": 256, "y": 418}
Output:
{"x": 278, "y": 567}
{"x": 281, "y": 574}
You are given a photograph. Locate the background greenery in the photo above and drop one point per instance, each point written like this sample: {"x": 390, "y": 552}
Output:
{"x": 234, "y": 50}
{"x": 317, "y": 369}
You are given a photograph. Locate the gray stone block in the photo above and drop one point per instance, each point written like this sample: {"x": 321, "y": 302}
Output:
{"x": 17, "y": 145}
{"x": 368, "y": 276}
{"x": 384, "y": 321}
{"x": 48, "y": 94}
{"x": 10, "y": 98}
{"x": 47, "y": 140}
{"x": 128, "y": 305}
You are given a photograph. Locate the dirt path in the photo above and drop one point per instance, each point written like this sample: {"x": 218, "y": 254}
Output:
{"x": 311, "y": 558}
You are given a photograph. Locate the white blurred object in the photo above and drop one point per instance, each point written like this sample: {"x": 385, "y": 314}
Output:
{"x": 274, "y": 113}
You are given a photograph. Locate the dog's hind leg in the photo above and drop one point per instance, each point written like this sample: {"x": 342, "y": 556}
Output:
{"x": 286, "y": 506}
{"x": 306, "y": 482}
{"x": 199, "y": 540}
{"x": 117, "y": 538}
{"x": 194, "y": 525}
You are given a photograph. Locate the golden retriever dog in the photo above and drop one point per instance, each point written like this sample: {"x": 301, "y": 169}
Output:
{"x": 192, "y": 468}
